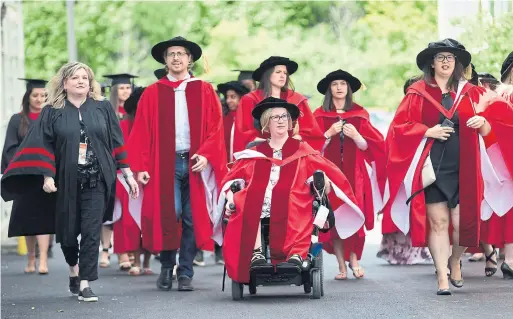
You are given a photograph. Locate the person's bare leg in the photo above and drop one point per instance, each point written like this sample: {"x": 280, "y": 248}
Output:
{"x": 31, "y": 254}
{"x": 135, "y": 270}
{"x": 258, "y": 240}
{"x": 105, "y": 239}
{"x": 457, "y": 250}
{"x": 338, "y": 250}
{"x": 438, "y": 240}
{"x": 355, "y": 265}
{"x": 43, "y": 242}
{"x": 146, "y": 262}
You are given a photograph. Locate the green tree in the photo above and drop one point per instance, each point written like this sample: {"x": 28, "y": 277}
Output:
{"x": 489, "y": 41}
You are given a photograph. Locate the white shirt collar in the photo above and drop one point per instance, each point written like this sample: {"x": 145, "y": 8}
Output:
{"x": 172, "y": 79}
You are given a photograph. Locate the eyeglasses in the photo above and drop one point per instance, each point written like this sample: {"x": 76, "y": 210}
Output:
{"x": 283, "y": 117}
{"x": 177, "y": 54}
{"x": 442, "y": 58}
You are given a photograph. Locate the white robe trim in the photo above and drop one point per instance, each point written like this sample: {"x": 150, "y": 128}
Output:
{"x": 377, "y": 199}
{"x": 217, "y": 217}
{"x": 400, "y": 212}
{"x": 498, "y": 182}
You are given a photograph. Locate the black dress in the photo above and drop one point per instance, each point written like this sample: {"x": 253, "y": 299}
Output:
{"x": 31, "y": 213}
{"x": 445, "y": 156}
{"x": 51, "y": 148}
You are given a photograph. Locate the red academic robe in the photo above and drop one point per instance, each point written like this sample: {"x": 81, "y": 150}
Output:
{"x": 126, "y": 231}
{"x": 407, "y": 150}
{"x": 365, "y": 171}
{"x": 497, "y": 227}
{"x": 245, "y": 131}
{"x": 229, "y": 130}
{"x": 152, "y": 149}
{"x": 291, "y": 206}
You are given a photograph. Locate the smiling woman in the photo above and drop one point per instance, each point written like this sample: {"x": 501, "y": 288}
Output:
{"x": 121, "y": 88}
{"x": 17, "y": 129}
{"x": 68, "y": 152}
{"x": 437, "y": 133}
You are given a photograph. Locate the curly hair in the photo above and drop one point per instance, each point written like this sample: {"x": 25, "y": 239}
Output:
{"x": 56, "y": 92}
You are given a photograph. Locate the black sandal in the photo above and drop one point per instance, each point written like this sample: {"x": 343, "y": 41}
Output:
{"x": 258, "y": 258}
{"x": 490, "y": 271}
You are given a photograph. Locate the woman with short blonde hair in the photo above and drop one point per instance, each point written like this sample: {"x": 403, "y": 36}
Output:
{"x": 68, "y": 152}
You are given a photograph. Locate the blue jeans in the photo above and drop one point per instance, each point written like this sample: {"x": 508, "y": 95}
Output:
{"x": 183, "y": 211}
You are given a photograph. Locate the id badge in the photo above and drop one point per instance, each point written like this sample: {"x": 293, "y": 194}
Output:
{"x": 321, "y": 216}
{"x": 82, "y": 152}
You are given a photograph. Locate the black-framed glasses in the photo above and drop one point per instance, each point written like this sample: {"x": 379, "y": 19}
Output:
{"x": 283, "y": 117}
{"x": 442, "y": 58}
{"x": 177, "y": 54}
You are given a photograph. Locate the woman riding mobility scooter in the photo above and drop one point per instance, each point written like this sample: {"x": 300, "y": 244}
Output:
{"x": 268, "y": 238}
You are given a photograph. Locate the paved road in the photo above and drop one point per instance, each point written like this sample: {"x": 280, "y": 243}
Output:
{"x": 386, "y": 292}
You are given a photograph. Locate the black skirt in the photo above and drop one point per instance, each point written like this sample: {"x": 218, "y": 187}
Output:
{"x": 445, "y": 157}
{"x": 33, "y": 214}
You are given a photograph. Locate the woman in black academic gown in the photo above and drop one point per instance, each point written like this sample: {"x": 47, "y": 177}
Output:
{"x": 32, "y": 104}
{"x": 72, "y": 151}
{"x": 120, "y": 91}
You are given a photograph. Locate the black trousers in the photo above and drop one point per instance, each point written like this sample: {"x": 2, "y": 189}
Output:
{"x": 90, "y": 208}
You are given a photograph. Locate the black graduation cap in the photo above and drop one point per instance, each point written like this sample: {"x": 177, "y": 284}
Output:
{"x": 34, "y": 83}
{"x": 122, "y": 78}
{"x": 244, "y": 75}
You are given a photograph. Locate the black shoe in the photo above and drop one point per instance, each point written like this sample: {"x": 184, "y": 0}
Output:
{"x": 165, "y": 280}
{"x": 185, "y": 284}
{"x": 87, "y": 295}
{"x": 443, "y": 292}
{"x": 507, "y": 272}
{"x": 74, "y": 285}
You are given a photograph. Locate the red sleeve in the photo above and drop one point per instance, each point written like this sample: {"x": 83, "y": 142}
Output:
{"x": 212, "y": 145}
{"x": 406, "y": 130}
{"x": 245, "y": 131}
{"x": 140, "y": 138}
{"x": 500, "y": 116}
{"x": 309, "y": 128}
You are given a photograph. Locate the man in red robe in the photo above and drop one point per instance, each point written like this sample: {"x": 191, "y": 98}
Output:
{"x": 177, "y": 148}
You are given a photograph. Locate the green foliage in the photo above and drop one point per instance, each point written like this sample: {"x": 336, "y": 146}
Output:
{"x": 377, "y": 41}
{"x": 489, "y": 41}
{"x": 45, "y": 38}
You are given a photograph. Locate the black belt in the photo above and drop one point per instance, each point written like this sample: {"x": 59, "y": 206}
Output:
{"x": 183, "y": 155}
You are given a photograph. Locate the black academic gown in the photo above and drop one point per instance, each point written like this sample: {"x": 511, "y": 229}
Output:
{"x": 28, "y": 209}
{"x": 51, "y": 149}
{"x": 12, "y": 139}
